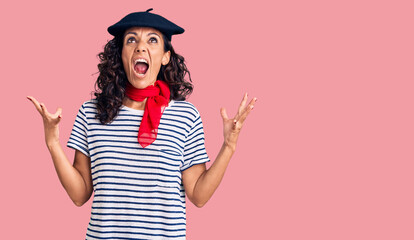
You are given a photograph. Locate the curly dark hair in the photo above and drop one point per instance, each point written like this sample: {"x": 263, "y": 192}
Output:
{"x": 111, "y": 82}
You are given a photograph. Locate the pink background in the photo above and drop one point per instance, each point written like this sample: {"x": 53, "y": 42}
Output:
{"x": 327, "y": 153}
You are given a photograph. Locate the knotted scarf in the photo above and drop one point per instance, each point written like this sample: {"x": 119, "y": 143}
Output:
{"x": 158, "y": 99}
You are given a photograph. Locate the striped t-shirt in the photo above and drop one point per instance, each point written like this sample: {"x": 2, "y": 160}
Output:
{"x": 138, "y": 192}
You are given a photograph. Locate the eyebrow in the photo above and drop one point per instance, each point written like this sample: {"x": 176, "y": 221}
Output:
{"x": 147, "y": 34}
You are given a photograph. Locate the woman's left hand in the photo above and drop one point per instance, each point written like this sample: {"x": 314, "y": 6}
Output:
{"x": 232, "y": 126}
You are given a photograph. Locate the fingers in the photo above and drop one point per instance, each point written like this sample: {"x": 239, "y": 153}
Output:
{"x": 242, "y": 117}
{"x": 41, "y": 108}
{"x": 35, "y": 103}
{"x": 58, "y": 113}
{"x": 241, "y": 106}
{"x": 44, "y": 109}
{"x": 224, "y": 114}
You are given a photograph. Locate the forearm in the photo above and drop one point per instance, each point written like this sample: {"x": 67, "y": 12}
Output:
{"x": 69, "y": 176}
{"x": 211, "y": 178}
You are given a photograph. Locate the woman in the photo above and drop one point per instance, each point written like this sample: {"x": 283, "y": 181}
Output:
{"x": 139, "y": 145}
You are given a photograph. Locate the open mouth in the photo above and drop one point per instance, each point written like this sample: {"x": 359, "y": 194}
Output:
{"x": 141, "y": 67}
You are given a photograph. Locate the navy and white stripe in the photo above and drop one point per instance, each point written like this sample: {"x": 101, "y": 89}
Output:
{"x": 138, "y": 192}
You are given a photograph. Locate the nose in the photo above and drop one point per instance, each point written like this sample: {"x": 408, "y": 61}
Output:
{"x": 140, "y": 47}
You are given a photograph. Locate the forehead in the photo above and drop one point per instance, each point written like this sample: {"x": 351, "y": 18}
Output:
{"x": 142, "y": 30}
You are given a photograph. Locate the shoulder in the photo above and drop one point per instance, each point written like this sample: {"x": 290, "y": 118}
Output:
{"x": 185, "y": 107}
{"x": 87, "y": 109}
{"x": 88, "y": 106}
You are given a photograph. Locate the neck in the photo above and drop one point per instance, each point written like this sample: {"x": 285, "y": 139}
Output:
{"x": 134, "y": 104}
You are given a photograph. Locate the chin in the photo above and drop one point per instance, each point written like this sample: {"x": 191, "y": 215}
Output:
{"x": 141, "y": 83}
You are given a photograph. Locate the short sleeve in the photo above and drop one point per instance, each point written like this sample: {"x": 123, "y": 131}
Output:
{"x": 194, "y": 149}
{"x": 78, "y": 139}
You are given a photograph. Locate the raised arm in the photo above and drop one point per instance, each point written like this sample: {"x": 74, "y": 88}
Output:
{"x": 199, "y": 183}
{"x": 76, "y": 179}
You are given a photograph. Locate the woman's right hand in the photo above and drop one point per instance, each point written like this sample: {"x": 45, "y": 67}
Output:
{"x": 50, "y": 122}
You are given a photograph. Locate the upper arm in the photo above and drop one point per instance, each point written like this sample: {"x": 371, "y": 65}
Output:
{"x": 190, "y": 177}
{"x": 83, "y": 164}
{"x": 194, "y": 155}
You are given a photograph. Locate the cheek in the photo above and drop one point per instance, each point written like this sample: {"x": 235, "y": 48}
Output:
{"x": 157, "y": 60}
{"x": 125, "y": 58}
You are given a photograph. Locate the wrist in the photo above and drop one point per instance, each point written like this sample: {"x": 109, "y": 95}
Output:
{"x": 51, "y": 144}
{"x": 229, "y": 147}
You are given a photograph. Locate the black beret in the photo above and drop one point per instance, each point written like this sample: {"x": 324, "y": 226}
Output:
{"x": 145, "y": 19}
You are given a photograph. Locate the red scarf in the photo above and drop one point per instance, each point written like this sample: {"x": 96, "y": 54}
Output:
{"x": 158, "y": 98}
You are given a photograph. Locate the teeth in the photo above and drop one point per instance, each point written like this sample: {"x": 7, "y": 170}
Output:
{"x": 141, "y": 60}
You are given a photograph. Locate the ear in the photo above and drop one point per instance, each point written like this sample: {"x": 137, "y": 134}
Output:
{"x": 166, "y": 58}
